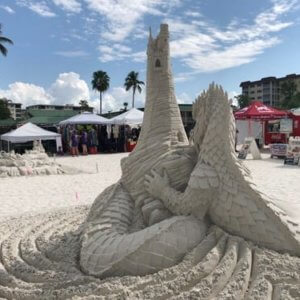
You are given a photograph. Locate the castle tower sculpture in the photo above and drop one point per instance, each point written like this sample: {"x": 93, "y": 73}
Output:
{"x": 162, "y": 127}
{"x": 164, "y": 120}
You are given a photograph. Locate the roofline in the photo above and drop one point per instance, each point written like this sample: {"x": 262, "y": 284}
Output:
{"x": 289, "y": 76}
{"x": 53, "y": 105}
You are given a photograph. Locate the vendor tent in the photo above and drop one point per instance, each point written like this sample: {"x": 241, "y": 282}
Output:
{"x": 259, "y": 111}
{"x": 85, "y": 118}
{"x": 30, "y": 132}
{"x": 253, "y": 117}
{"x": 130, "y": 117}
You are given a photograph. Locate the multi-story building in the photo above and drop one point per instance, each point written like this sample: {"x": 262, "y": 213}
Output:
{"x": 15, "y": 109}
{"x": 268, "y": 89}
{"x": 59, "y": 107}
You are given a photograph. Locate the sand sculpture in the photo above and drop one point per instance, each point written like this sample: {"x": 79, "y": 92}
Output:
{"x": 33, "y": 162}
{"x": 204, "y": 232}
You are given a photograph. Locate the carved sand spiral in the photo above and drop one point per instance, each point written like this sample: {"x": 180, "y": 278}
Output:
{"x": 39, "y": 260}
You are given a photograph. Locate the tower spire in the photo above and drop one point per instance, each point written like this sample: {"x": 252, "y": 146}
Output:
{"x": 162, "y": 124}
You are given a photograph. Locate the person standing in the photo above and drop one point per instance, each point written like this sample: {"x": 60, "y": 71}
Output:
{"x": 84, "y": 141}
{"x": 93, "y": 141}
{"x": 74, "y": 143}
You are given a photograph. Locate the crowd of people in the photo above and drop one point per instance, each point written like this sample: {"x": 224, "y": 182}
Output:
{"x": 93, "y": 139}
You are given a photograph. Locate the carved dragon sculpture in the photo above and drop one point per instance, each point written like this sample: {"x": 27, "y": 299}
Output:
{"x": 218, "y": 187}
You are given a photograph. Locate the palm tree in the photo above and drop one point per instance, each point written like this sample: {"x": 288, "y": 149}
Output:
{"x": 100, "y": 83}
{"x": 132, "y": 81}
{"x": 84, "y": 104}
{"x": 3, "y": 39}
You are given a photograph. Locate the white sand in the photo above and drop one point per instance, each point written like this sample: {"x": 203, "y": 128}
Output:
{"x": 38, "y": 256}
{"x": 276, "y": 179}
{"x": 21, "y": 195}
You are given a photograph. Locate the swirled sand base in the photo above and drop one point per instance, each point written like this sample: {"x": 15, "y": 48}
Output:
{"x": 39, "y": 260}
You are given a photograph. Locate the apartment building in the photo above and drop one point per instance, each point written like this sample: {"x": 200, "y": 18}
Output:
{"x": 268, "y": 89}
{"x": 15, "y": 109}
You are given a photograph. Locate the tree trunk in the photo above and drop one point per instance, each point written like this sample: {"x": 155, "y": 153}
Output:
{"x": 100, "y": 103}
{"x": 133, "y": 92}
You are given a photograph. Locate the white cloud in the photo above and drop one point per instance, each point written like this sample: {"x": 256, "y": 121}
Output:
{"x": 41, "y": 8}
{"x": 229, "y": 57}
{"x": 122, "y": 16}
{"x": 139, "y": 56}
{"x": 191, "y": 13}
{"x": 113, "y": 52}
{"x": 76, "y": 53}
{"x": 118, "y": 51}
{"x": 206, "y": 48}
{"x": 77, "y": 36}
{"x": 182, "y": 77}
{"x": 68, "y": 88}
{"x": 72, "y": 6}
{"x": 265, "y": 23}
{"x": 184, "y": 98}
{"x": 8, "y": 9}
{"x": 27, "y": 94}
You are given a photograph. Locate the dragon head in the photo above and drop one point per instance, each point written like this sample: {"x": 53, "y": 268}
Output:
{"x": 211, "y": 106}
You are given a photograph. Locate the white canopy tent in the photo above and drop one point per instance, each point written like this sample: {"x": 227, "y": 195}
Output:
{"x": 30, "y": 132}
{"x": 130, "y": 117}
{"x": 296, "y": 111}
{"x": 85, "y": 118}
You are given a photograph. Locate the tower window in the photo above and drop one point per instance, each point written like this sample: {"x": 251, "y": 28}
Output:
{"x": 157, "y": 63}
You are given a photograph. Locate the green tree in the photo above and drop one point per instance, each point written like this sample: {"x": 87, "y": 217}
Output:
{"x": 295, "y": 101}
{"x": 84, "y": 104}
{"x": 243, "y": 100}
{"x": 3, "y": 40}
{"x": 288, "y": 90}
{"x": 100, "y": 83}
{"x": 125, "y": 104}
{"x": 4, "y": 110}
{"x": 132, "y": 81}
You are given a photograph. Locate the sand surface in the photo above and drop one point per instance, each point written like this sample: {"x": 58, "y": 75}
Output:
{"x": 22, "y": 195}
{"x": 38, "y": 255}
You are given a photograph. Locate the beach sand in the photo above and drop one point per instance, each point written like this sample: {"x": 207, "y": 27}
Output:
{"x": 22, "y": 195}
{"x": 35, "y": 194}
{"x": 39, "y": 251}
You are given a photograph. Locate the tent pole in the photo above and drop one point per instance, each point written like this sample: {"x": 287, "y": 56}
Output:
{"x": 263, "y": 133}
{"x": 249, "y": 128}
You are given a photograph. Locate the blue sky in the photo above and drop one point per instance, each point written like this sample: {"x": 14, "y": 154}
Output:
{"x": 58, "y": 44}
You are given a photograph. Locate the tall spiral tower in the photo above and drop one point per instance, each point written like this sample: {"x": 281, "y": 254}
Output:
{"x": 162, "y": 127}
